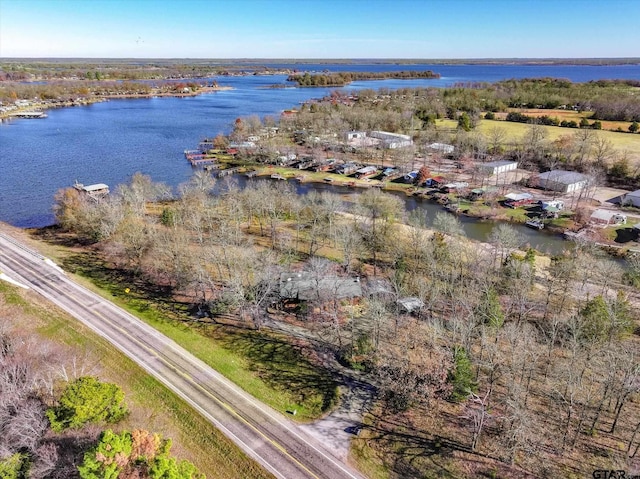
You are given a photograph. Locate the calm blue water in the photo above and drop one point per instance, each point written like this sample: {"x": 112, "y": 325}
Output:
{"x": 108, "y": 142}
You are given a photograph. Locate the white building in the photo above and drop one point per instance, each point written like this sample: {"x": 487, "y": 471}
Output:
{"x": 392, "y": 140}
{"x": 552, "y": 205}
{"x": 497, "y": 167}
{"x": 442, "y": 148}
{"x": 563, "y": 181}
{"x": 355, "y": 135}
{"x": 607, "y": 217}
{"x": 99, "y": 189}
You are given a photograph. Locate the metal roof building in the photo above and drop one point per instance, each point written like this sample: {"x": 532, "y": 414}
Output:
{"x": 442, "y": 148}
{"x": 497, "y": 167}
{"x": 305, "y": 286}
{"x": 632, "y": 199}
{"x": 563, "y": 181}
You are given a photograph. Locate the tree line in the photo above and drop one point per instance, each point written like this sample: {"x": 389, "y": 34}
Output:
{"x": 338, "y": 79}
{"x": 112, "y": 69}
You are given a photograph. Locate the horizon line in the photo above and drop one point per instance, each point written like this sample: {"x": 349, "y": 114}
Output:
{"x": 396, "y": 59}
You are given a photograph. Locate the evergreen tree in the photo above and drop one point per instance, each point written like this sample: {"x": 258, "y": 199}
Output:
{"x": 87, "y": 400}
{"x": 489, "y": 310}
{"x": 464, "y": 122}
{"x": 461, "y": 376}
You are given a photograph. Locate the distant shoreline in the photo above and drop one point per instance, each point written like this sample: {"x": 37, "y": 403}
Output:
{"x": 208, "y": 89}
{"x": 47, "y": 105}
{"x": 229, "y": 62}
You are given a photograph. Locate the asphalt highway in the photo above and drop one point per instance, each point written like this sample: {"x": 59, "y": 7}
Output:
{"x": 274, "y": 441}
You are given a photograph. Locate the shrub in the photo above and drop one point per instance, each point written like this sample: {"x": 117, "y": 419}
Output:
{"x": 134, "y": 454}
{"x": 87, "y": 400}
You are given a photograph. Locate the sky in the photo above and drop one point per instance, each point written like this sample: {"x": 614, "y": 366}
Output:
{"x": 429, "y": 29}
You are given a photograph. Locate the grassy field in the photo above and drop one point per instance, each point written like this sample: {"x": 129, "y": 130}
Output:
{"x": 152, "y": 405}
{"x": 568, "y": 115}
{"x": 620, "y": 141}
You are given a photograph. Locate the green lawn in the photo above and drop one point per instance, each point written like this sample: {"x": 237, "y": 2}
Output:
{"x": 620, "y": 141}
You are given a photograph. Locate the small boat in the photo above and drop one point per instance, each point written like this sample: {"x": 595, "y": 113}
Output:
{"x": 277, "y": 176}
{"x": 535, "y": 223}
{"x": 328, "y": 180}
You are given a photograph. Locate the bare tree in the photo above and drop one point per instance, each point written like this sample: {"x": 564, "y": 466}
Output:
{"x": 477, "y": 411}
{"x": 496, "y": 139}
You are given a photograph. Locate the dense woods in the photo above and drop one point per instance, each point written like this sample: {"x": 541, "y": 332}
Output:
{"x": 511, "y": 362}
{"x": 607, "y": 99}
{"x": 344, "y": 78}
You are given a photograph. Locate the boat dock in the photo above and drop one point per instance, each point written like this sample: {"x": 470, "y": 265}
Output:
{"x": 196, "y": 158}
{"x": 29, "y": 114}
{"x": 228, "y": 171}
{"x": 94, "y": 191}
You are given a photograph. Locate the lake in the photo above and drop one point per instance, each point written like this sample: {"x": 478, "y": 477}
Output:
{"x": 108, "y": 142}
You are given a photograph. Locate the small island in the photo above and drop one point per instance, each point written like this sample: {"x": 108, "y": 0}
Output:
{"x": 339, "y": 79}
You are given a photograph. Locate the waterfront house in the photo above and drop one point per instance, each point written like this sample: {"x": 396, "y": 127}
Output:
{"x": 434, "y": 182}
{"x": 411, "y": 176}
{"x": 242, "y": 144}
{"x": 326, "y": 165}
{"x": 514, "y": 200}
{"x": 607, "y": 217}
{"x": 457, "y": 185}
{"x": 366, "y": 172}
{"x": 552, "y": 205}
{"x": 347, "y": 169}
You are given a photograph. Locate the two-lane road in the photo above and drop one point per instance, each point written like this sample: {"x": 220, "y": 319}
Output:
{"x": 264, "y": 434}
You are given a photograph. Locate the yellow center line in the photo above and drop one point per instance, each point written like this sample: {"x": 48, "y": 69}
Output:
{"x": 222, "y": 403}
{"x": 175, "y": 369}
